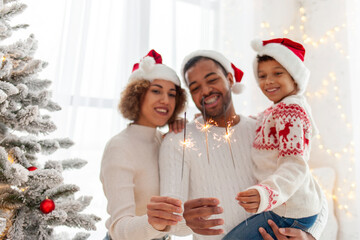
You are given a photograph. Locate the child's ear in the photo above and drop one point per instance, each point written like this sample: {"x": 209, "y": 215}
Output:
{"x": 296, "y": 85}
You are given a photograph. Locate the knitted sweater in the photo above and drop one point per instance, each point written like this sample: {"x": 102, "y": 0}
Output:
{"x": 281, "y": 151}
{"x": 130, "y": 177}
{"x": 216, "y": 176}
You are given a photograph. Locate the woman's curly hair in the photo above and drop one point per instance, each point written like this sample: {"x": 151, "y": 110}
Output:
{"x": 131, "y": 99}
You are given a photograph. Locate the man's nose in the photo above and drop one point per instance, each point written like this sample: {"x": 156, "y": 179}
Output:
{"x": 206, "y": 90}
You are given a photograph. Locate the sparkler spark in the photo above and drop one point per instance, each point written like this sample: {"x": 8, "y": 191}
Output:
{"x": 188, "y": 143}
{"x": 228, "y": 133}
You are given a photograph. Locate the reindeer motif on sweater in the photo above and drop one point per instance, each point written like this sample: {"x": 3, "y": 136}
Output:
{"x": 281, "y": 150}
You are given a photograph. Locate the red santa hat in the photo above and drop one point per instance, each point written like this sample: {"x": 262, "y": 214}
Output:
{"x": 151, "y": 67}
{"x": 227, "y": 65}
{"x": 289, "y": 54}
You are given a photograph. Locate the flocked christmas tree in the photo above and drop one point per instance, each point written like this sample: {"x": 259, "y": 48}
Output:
{"x": 33, "y": 196}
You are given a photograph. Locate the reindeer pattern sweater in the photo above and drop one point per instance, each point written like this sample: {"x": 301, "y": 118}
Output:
{"x": 280, "y": 152}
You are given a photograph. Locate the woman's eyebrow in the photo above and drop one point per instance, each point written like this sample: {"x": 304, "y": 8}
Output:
{"x": 156, "y": 85}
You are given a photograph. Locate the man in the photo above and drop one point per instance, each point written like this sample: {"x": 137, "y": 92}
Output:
{"x": 208, "y": 172}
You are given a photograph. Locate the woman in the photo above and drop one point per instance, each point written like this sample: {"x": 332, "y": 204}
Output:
{"x": 129, "y": 168}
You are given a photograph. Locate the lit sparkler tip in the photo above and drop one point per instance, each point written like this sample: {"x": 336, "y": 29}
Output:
{"x": 187, "y": 143}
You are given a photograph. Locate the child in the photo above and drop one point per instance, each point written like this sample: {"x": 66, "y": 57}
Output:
{"x": 287, "y": 193}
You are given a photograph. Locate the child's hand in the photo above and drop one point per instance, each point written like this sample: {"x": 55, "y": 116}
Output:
{"x": 249, "y": 200}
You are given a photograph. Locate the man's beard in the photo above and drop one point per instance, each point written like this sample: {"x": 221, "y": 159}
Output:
{"x": 219, "y": 112}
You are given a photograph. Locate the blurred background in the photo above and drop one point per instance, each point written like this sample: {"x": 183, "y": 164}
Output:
{"x": 91, "y": 46}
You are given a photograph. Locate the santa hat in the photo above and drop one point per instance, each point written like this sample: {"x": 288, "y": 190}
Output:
{"x": 227, "y": 65}
{"x": 289, "y": 54}
{"x": 151, "y": 67}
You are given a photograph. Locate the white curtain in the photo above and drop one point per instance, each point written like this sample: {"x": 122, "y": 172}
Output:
{"x": 92, "y": 45}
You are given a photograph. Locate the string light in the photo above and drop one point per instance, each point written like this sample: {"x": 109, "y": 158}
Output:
{"x": 327, "y": 85}
{"x": 342, "y": 197}
{"x": 330, "y": 34}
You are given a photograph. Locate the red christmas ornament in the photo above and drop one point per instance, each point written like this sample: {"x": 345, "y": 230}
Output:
{"x": 32, "y": 168}
{"x": 47, "y": 206}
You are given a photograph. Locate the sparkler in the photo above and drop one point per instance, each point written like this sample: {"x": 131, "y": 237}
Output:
{"x": 205, "y": 128}
{"x": 184, "y": 146}
{"x": 186, "y": 143}
{"x": 227, "y": 138}
{"x": 228, "y": 135}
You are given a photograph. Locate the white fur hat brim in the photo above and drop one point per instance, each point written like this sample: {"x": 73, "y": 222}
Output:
{"x": 149, "y": 70}
{"x": 292, "y": 63}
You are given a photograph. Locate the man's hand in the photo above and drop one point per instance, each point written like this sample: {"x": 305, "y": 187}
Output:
{"x": 249, "y": 200}
{"x": 197, "y": 213}
{"x": 285, "y": 233}
{"x": 161, "y": 212}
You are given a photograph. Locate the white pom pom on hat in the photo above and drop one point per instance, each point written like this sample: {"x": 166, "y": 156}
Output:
{"x": 151, "y": 68}
{"x": 147, "y": 64}
{"x": 289, "y": 54}
{"x": 237, "y": 87}
{"x": 257, "y": 44}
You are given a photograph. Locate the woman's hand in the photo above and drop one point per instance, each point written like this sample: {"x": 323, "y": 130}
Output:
{"x": 162, "y": 211}
{"x": 285, "y": 233}
{"x": 177, "y": 126}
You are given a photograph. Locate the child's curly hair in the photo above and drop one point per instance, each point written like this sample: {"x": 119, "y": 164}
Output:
{"x": 130, "y": 102}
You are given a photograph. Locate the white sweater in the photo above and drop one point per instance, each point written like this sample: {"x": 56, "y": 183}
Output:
{"x": 218, "y": 177}
{"x": 130, "y": 177}
{"x": 281, "y": 153}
